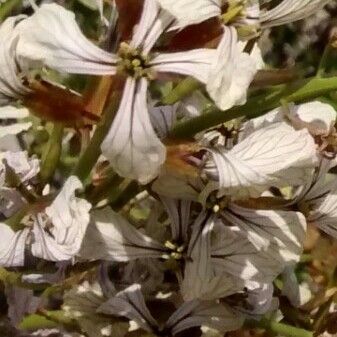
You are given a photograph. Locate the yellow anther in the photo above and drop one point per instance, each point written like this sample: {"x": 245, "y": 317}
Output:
{"x": 136, "y": 63}
{"x": 170, "y": 245}
{"x": 216, "y": 208}
{"x": 176, "y": 256}
{"x": 180, "y": 249}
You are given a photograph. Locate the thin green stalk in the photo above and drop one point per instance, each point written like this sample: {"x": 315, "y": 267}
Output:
{"x": 121, "y": 196}
{"x": 93, "y": 151}
{"x": 256, "y": 106}
{"x": 36, "y": 322}
{"x": 212, "y": 116}
{"x": 183, "y": 89}
{"x": 52, "y": 153}
{"x": 15, "y": 220}
{"x": 279, "y": 328}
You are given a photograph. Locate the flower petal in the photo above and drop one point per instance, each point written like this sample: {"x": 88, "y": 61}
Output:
{"x": 11, "y": 87}
{"x": 319, "y": 118}
{"x": 280, "y": 233}
{"x": 289, "y": 11}
{"x": 12, "y": 247}
{"x": 195, "y": 63}
{"x": 69, "y": 217}
{"x": 131, "y": 146}
{"x": 130, "y": 303}
{"x": 199, "y": 279}
{"x": 52, "y": 36}
{"x": 152, "y": 24}
{"x": 111, "y": 237}
{"x": 179, "y": 214}
{"x": 273, "y": 156}
{"x": 234, "y": 254}
{"x": 190, "y": 12}
{"x": 231, "y": 73}
{"x": 207, "y": 313}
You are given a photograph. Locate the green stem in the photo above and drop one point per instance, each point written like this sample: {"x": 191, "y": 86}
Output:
{"x": 183, "y": 89}
{"x": 93, "y": 151}
{"x": 121, "y": 196}
{"x": 212, "y": 116}
{"x": 279, "y": 328}
{"x": 35, "y": 322}
{"x": 15, "y": 279}
{"x": 15, "y": 220}
{"x": 52, "y": 153}
{"x": 256, "y": 106}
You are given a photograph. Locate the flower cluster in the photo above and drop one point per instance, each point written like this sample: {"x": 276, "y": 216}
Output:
{"x": 157, "y": 178}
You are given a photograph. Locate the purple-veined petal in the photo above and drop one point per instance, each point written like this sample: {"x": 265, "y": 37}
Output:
{"x": 130, "y": 303}
{"x": 319, "y": 118}
{"x": 276, "y": 155}
{"x": 280, "y": 233}
{"x": 234, "y": 254}
{"x": 111, "y": 237}
{"x": 200, "y": 281}
{"x": 289, "y": 11}
{"x": 12, "y": 247}
{"x": 68, "y": 216}
{"x": 11, "y": 87}
{"x": 52, "y": 36}
{"x": 206, "y": 313}
{"x": 163, "y": 118}
{"x": 131, "y": 146}
{"x": 195, "y": 63}
{"x": 153, "y": 22}
{"x": 179, "y": 214}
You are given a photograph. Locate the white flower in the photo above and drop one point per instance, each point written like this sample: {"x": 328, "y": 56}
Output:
{"x": 81, "y": 304}
{"x": 275, "y": 155}
{"x": 130, "y": 303}
{"x": 318, "y": 199}
{"x": 233, "y": 254}
{"x": 132, "y": 147}
{"x": 111, "y": 237}
{"x": 11, "y": 87}
{"x": 200, "y": 280}
{"x": 56, "y": 235}
{"x": 319, "y": 118}
{"x": 279, "y": 233}
{"x": 12, "y": 246}
{"x": 236, "y": 68}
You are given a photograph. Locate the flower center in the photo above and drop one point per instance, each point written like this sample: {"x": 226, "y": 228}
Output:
{"x": 133, "y": 62}
{"x": 177, "y": 251}
{"x": 216, "y": 204}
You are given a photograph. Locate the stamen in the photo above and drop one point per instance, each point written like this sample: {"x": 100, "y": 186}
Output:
{"x": 177, "y": 251}
{"x": 133, "y": 62}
